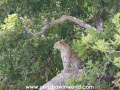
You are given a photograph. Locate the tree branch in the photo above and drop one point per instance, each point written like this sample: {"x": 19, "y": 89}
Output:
{"x": 30, "y": 34}
{"x": 60, "y": 79}
{"x": 62, "y": 19}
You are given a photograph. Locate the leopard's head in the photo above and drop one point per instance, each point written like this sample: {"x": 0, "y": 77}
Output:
{"x": 58, "y": 45}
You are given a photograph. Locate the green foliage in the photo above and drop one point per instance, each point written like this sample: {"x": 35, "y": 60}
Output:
{"x": 22, "y": 60}
{"x": 117, "y": 61}
{"x": 16, "y": 52}
{"x": 108, "y": 49}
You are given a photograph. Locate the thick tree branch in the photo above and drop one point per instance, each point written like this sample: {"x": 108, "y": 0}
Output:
{"x": 62, "y": 19}
{"x": 60, "y": 79}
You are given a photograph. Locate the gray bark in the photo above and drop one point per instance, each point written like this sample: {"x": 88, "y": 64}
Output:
{"x": 60, "y": 80}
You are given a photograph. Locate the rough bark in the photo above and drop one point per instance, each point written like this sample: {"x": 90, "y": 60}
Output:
{"x": 60, "y": 80}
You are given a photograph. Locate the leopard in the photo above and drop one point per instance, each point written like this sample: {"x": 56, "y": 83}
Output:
{"x": 68, "y": 56}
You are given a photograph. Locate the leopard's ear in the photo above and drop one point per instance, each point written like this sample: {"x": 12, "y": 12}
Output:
{"x": 60, "y": 41}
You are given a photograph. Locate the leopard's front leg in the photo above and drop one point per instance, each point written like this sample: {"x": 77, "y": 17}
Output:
{"x": 65, "y": 61}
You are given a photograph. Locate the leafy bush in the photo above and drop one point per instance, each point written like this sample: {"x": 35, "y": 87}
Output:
{"x": 100, "y": 53}
{"x": 22, "y": 60}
